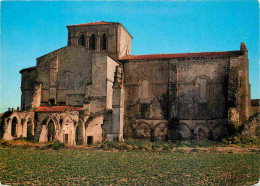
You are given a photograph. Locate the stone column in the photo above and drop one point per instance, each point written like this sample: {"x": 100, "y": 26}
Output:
{"x": 115, "y": 132}
{"x": 87, "y": 42}
{"x": 98, "y": 43}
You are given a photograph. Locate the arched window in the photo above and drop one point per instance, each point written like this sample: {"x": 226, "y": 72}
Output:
{"x": 144, "y": 89}
{"x": 14, "y": 127}
{"x": 92, "y": 42}
{"x": 103, "y": 42}
{"x": 82, "y": 40}
{"x": 202, "y": 90}
{"x": 51, "y": 131}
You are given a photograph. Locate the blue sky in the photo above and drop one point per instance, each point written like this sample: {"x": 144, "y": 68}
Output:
{"x": 31, "y": 29}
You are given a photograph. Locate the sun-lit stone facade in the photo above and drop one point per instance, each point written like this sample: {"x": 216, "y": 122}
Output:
{"x": 94, "y": 90}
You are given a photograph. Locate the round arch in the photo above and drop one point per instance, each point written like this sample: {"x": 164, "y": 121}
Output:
{"x": 143, "y": 131}
{"x": 201, "y": 132}
{"x": 161, "y": 131}
{"x": 82, "y": 40}
{"x": 185, "y": 132}
{"x": 28, "y": 127}
{"x": 219, "y": 131}
{"x": 79, "y": 132}
{"x": 14, "y": 128}
{"x": 202, "y": 77}
{"x": 50, "y": 129}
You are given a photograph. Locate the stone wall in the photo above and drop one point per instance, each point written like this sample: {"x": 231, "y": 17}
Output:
{"x": 74, "y": 71}
{"x": 124, "y": 42}
{"x": 27, "y": 87}
{"x": 251, "y": 127}
{"x": 255, "y": 108}
{"x": 189, "y": 94}
{"x": 239, "y": 89}
{"x": 80, "y": 74}
{"x": 118, "y": 38}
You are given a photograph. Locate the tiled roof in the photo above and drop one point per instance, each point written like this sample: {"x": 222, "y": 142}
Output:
{"x": 93, "y": 23}
{"x": 181, "y": 55}
{"x": 56, "y": 108}
{"x": 255, "y": 102}
{"x": 30, "y": 68}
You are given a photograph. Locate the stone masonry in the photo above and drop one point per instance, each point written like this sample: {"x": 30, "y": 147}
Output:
{"x": 94, "y": 90}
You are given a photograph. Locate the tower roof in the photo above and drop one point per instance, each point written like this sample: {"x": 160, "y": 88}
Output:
{"x": 99, "y": 23}
{"x": 94, "y": 23}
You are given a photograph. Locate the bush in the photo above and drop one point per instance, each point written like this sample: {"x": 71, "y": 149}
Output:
{"x": 249, "y": 140}
{"x": 156, "y": 147}
{"x": 121, "y": 146}
{"x": 56, "y": 145}
{"x": 241, "y": 140}
{"x": 108, "y": 145}
{"x": 4, "y": 143}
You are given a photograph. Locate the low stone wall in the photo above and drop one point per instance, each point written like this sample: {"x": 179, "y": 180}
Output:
{"x": 252, "y": 126}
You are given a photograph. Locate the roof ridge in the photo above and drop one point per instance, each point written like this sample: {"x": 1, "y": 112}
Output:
{"x": 93, "y": 23}
{"x": 178, "y": 55}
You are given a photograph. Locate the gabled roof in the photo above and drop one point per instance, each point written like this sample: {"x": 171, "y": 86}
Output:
{"x": 57, "y": 108}
{"x": 181, "y": 55}
{"x": 93, "y": 23}
{"x": 100, "y": 23}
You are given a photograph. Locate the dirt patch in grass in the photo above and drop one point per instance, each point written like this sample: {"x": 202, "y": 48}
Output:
{"x": 137, "y": 145}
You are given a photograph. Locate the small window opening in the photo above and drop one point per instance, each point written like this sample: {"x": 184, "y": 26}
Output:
{"x": 103, "y": 42}
{"x": 81, "y": 40}
{"x": 52, "y": 102}
{"x": 92, "y": 42}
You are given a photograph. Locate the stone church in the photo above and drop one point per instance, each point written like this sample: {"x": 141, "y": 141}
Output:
{"x": 93, "y": 90}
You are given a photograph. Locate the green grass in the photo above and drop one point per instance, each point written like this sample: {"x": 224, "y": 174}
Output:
{"x": 27, "y": 166}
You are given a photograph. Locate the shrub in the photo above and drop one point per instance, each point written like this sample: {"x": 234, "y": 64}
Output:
{"x": 241, "y": 140}
{"x": 121, "y": 146}
{"x": 4, "y": 143}
{"x": 56, "y": 145}
{"x": 213, "y": 149}
{"x": 249, "y": 140}
{"x": 108, "y": 145}
{"x": 156, "y": 146}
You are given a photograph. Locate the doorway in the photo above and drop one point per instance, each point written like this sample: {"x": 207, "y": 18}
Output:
{"x": 51, "y": 131}
{"x": 66, "y": 139}
{"x": 89, "y": 140}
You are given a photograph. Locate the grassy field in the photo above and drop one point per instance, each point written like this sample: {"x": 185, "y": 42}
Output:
{"x": 28, "y": 166}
